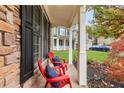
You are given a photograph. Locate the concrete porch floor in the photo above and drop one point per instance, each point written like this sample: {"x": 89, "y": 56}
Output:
{"x": 72, "y": 72}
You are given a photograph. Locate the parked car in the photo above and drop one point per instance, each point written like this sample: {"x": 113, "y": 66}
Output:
{"x": 100, "y": 48}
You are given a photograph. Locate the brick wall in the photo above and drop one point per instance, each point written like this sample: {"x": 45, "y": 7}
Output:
{"x": 10, "y": 49}
{"x": 9, "y": 46}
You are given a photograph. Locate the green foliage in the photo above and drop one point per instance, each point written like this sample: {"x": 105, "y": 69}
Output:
{"x": 108, "y": 21}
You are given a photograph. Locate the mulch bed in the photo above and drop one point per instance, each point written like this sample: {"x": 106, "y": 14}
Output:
{"x": 97, "y": 78}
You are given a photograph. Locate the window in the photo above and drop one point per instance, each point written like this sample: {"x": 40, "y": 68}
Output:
{"x": 37, "y": 25}
{"x": 73, "y": 33}
{"x": 35, "y": 39}
{"x": 62, "y": 31}
{"x": 60, "y": 42}
{"x": 67, "y": 33}
{"x": 55, "y": 42}
{"x": 67, "y": 43}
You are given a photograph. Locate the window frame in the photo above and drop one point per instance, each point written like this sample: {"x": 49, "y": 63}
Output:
{"x": 23, "y": 69}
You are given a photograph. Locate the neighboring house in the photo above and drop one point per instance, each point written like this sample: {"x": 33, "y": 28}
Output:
{"x": 104, "y": 41}
{"x": 60, "y": 38}
{"x": 90, "y": 40}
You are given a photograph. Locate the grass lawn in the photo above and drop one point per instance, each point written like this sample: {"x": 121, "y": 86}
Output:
{"x": 64, "y": 54}
{"x": 96, "y": 56}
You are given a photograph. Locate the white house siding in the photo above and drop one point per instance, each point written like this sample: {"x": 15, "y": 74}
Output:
{"x": 62, "y": 39}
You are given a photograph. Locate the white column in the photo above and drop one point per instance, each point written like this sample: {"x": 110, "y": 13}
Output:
{"x": 57, "y": 44}
{"x": 70, "y": 46}
{"x": 64, "y": 44}
{"x": 51, "y": 39}
{"x": 82, "y": 64}
{"x": 53, "y": 44}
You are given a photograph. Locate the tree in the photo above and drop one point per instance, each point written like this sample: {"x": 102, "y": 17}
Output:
{"x": 109, "y": 21}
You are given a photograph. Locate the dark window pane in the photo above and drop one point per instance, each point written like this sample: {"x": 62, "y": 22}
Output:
{"x": 54, "y": 42}
{"x": 36, "y": 45}
{"x": 45, "y": 38}
{"x": 36, "y": 19}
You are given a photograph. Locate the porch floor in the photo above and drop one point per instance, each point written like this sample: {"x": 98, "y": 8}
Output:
{"x": 72, "y": 72}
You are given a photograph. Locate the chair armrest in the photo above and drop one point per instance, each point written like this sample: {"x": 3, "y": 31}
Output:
{"x": 58, "y": 68}
{"x": 60, "y": 64}
{"x": 58, "y": 79}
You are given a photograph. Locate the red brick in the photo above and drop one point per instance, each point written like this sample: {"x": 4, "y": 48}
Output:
{"x": 5, "y": 71}
{"x": 12, "y": 58}
{"x": 4, "y": 26}
{"x": 17, "y": 12}
{"x": 9, "y": 39}
{"x": 10, "y": 7}
{"x": 3, "y": 8}
{"x": 14, "y": 48}
{"x": 17, "y": 6}
{"x": 1, "y": 61}
{"x": 17, "y": 9}
{"x": 17, "y": 20}
{"x": 9, "y": 17}
{"x": 1, "y": 82}
{"x": 1, "y": 38}
{"x": 17, "y": 27}
{"x": 2, "y": 16}
{"x": 13, "y": 84}
{"x": 5, "y": 50}
{"x": 12, "y": 77}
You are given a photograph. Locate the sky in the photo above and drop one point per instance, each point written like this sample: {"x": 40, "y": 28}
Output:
{"x": 89, "y": 17}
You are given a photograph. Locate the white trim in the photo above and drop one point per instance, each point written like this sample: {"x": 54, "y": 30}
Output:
{"x": 57, "y": 44}
{"x": 64, "y": 44}
{"x": 70, "y": 46}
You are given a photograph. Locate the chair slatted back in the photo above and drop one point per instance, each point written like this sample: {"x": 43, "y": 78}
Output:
{"x": 41, "y": 68}
{"x": 50, "y": 55}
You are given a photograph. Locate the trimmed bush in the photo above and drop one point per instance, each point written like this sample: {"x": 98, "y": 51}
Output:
{"x": 115, "y": 60}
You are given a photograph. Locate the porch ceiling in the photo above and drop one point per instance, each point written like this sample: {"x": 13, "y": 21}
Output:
{"x": 61, "y": 15}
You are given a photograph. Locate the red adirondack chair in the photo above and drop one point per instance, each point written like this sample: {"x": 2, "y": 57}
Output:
{"x": 63, "y": 64}
{"x": 63, "y": 79}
